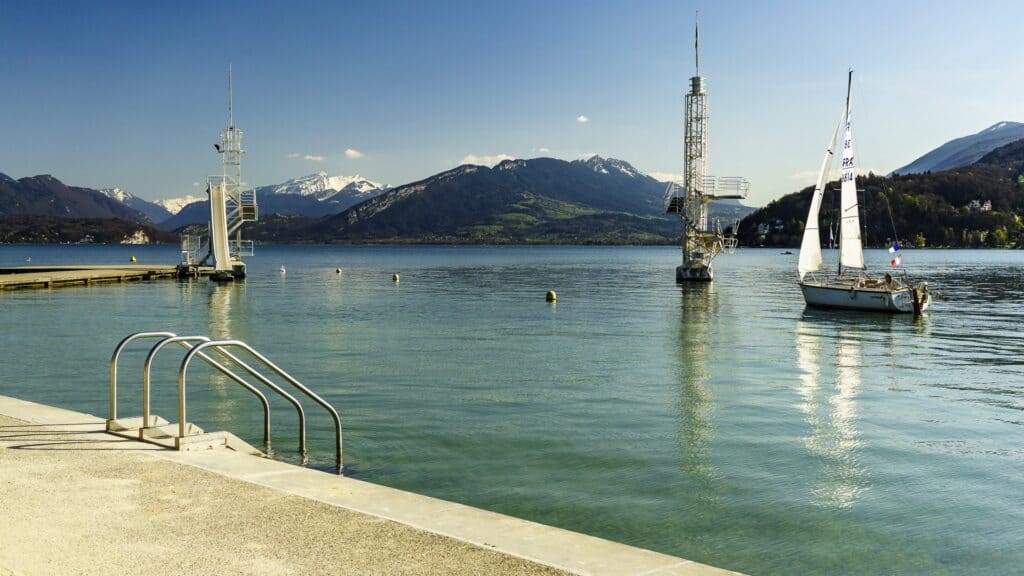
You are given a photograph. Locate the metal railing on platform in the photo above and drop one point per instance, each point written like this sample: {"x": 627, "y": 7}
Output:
{"x": 195, "y": 346}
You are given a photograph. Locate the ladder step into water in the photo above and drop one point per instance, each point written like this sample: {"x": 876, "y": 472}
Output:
{"x": 185, "y": 435}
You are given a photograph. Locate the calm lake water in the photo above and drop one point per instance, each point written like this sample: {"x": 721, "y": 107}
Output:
{"x": 723, "y": 423}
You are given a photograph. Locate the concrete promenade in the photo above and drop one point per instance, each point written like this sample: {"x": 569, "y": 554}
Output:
{"x": 76, "y": 500}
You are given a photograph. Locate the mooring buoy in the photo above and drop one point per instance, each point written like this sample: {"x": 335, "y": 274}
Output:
{"x": 337, "y": 270}
{"x": 551, "y": 296}
{"x": 133, "y": 258}
{"x": 395, "y": 277}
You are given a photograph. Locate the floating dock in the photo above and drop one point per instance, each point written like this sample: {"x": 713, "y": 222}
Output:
{"x": 26, "y": 277}
{"x": 78, "y": 500}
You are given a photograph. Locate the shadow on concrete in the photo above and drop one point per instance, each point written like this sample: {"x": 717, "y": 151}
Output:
{"x": 89, "y": 445}
{"x": 46, "y": 438}
{"x": 62, "y": 425}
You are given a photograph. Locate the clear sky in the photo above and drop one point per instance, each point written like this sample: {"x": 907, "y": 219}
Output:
{"x": 132, "y": 94}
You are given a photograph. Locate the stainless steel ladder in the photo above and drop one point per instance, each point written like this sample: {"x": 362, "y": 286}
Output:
{"x": 198, "y": 346}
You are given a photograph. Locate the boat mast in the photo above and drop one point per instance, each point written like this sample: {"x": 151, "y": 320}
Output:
{"x": 849, "y": 82}
{"x": 851, "y": 253}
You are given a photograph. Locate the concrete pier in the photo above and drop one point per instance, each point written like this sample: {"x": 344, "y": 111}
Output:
{"x": 23, "y": 277}
{"x": 76, "y": 500}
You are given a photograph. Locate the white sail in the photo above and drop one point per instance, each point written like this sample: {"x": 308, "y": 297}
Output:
{"x": 851, "y": 253}
{"x": 810, "y": 246}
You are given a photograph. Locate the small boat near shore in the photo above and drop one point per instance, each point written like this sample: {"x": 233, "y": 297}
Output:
{"x": 851, "y": 287}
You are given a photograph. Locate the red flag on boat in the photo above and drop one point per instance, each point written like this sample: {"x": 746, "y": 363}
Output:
{"x": 896, "y": 261}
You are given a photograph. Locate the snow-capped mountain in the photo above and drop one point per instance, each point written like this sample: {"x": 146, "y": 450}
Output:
{"x": 609, "y": 166}
{"x": 117, "y": 194}
{"x": 965, "y": 150}
{"x": 323, "y": 187}
{"x": 315, "y": 195}
{"x": 155, "y": 211}
{"x": 174, "y": 205}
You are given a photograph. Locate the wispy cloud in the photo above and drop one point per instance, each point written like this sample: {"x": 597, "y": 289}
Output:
{"x": 666, "y": 176}
{"x": 805, "y": 176}
{"x": 485, "y": 160}
{"x": 582, "y": 119}
{"x": 353, "y": 153}
{"x": 313, "y": 158}
{"x": 195, "y": 184}
{"x": 292, "y": 155}
{"x": 542, "y": 150}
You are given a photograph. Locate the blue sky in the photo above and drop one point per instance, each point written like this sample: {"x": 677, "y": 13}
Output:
{"x": 132, "y": 94}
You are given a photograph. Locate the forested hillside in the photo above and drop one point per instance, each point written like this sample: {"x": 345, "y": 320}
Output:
{"x": 975, "y": 206}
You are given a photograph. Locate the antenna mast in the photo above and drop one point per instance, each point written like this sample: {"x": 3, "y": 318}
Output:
{"x": 231, "y": 121}
{"x": 696, "y": 44}
{"x": 703, "y": 238}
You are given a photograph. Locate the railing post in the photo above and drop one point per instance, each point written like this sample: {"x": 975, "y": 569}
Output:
{"x": 268, "y": 383}
{"x": 220, "y": 344}
{"x": 113, "y": 364}
{"x": 313, "y": 395}
{"x": 198, "y": 351}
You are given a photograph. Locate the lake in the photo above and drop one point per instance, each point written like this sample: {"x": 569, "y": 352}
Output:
{"x": 723, "y": 423}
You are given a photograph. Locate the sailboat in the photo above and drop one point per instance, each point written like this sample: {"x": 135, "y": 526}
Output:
{"x": 851, "y": 287}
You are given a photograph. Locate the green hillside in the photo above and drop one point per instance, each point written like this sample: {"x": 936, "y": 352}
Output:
{"x": 543, "y": 200}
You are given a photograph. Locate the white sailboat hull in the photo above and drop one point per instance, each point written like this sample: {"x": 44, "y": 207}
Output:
{"x": 850, "y": 291}
{"x": 851, "y": 296}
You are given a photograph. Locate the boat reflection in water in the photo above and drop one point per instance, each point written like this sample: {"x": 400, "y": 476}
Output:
{"x": 698, "y": 312}
{"x": 829, "y": 404}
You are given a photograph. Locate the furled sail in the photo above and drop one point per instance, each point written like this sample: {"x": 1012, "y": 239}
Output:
{"x": 851, "y": 253}
{"x": 810, "y": 246}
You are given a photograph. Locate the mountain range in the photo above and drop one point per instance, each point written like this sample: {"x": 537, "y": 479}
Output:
{"x": 966, "y": 150}
{"x": 154, "y": 211}
{"x": 315, "y": 196}
{"x": 44, "y": 209}
{"x": 44, "y": 195}
{"x": 595, "y": 200}
{"x": 541, "y": 200}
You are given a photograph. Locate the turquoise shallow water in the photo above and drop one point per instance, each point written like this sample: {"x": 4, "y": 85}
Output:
{"x": 721, "y": 423}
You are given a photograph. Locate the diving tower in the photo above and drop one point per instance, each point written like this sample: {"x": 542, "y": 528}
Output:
{"x": 703, "y": 238}
{"x": 230, "y": 207}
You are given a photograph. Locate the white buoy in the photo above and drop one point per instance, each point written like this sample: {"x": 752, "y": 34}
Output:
{"x": 551, "y": 296}
{"x": 283, "y": 271}
{"x": 395, "y": 277}
{"x": 337, "y": 270}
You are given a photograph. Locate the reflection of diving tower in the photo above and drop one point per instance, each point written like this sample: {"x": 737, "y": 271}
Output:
{"x": 230, "y": 207}
{"x": 703, "y": 239}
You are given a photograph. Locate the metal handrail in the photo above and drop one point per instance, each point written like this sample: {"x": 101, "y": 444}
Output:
{"x": 113, "y": 363}
{"x": 270, "y": 384}
{"x": 184, "y": 341}
{"x": 219, "y": 344}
